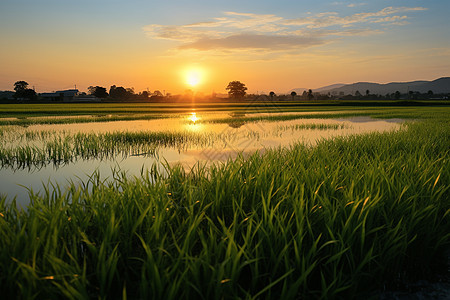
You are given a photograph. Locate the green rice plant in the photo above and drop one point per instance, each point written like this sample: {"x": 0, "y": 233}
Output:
{"x": 312, "y": 126}
{"x": 65, "y": 147}
{"x": 338, "y": 220}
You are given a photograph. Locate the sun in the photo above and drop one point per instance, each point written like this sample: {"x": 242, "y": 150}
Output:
{"x": 193, "y": 77}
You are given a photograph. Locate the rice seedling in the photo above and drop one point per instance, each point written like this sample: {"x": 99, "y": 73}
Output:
{"x": 338, "y": 220}
{"x": 312, "y": 126}
{"x": 62, "y": 147}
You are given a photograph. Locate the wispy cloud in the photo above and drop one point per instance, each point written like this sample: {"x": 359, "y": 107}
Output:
{"x": 349, "y": 4}
{"x": 356, "y": 4}
{"x": 272, "y": 33}
{"x": 333, "y": 19}
{"x": 253, "y": 41}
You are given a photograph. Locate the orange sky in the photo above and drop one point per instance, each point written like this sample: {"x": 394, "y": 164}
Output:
{"x": 268, "y": 48}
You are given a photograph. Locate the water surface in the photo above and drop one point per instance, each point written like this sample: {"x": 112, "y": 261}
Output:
{"x": 230, "y": 138}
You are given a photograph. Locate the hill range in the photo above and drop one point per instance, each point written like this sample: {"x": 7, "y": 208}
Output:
{"x": 438, "y": 86}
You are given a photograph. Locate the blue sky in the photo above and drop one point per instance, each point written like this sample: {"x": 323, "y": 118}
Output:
{"x": 54, "y": 44}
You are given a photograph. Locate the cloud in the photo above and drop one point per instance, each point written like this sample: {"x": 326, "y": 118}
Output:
{"x": 268, "y": 32}
{"x": 393, "y": 19}
{"x": 333, "y": 19}
{"x": 356, "y": 4}
{"x": 349, "y": 4}
{"x": 253, "y": 41}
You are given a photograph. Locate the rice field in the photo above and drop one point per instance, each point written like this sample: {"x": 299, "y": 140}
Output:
{"x": 346, "y": 217}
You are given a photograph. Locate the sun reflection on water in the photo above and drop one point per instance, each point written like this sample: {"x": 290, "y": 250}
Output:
{"x": 193, "y": 118}
{"x": 193, "y": 123}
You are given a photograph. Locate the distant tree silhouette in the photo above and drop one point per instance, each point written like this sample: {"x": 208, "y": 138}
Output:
{"x": 305, "y": 95}
{"x": 430, "y": 93}
{"x": 158, "y": 93}
{"x": 397, "y": 95}
{"x": 23, "y": 92}
{"x": 119, "y": 92}
{"x": 357, "y": 94}
{"x": 236, "y": 89}
{"x": 310, "y": 94}
{"x": 29, "y": 94}
{"x": 98, "y": 91}
{"x": 367, "y": 92}
{"x": 20, "y": 86}
{"x": 293, "y": 94}
{"x": 271, "y": 94}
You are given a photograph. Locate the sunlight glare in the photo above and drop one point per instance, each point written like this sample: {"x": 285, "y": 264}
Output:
{"x": 193, "y": 77}
{"x": 193, "y": 118}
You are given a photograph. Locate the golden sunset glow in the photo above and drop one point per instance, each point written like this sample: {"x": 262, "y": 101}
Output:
{"x": 297, "y": 46}
{"x": 193, "y": 77}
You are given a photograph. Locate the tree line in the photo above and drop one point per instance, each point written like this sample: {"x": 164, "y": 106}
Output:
{"x": 236, "y": 90}
{"x": 119, "y": 92}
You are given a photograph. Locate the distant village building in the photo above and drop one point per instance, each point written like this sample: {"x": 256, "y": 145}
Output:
{"x": 83, "y": 97}
{"x": 65, "y": 95}
{"x": 72, "y": 95}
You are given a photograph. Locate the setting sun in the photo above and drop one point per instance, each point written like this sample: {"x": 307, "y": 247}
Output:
{"x": 193, "y": 77}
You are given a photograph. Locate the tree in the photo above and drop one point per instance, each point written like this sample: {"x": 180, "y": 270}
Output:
{"x": 367, "y": 92}
{"x": 236, "y": 89}
{"x": 397, "y": 95}
{"x": 310, "y": 94}
{"x": 20, "y": 86}
{"x": 98, "y": 91}
{"x": 29, "y": 94}
{"x": 357, "y": 94}
{"x": 22, "y": 92}
{"x": 305, "y": 95}
{"x": 271, "y": 94}
{"x": 293, "y": 94}
{"x": 158, "y": 93}
{"x": 119, "y": 92}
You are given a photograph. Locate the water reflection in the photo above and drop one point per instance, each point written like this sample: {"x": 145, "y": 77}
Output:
{"x": 193, "y": 118}
{"x": 236, "y": 120}
{"x": 223, "y": 140}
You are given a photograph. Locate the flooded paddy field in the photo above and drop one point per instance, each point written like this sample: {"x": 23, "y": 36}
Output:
{"x": 62, "y": 153}
{"x": 333, "y": 203}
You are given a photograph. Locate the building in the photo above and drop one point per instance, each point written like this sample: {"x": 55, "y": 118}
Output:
{"x": 65, "y": 95}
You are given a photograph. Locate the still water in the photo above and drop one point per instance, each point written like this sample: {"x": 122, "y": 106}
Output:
{"x": 232, "y": 135}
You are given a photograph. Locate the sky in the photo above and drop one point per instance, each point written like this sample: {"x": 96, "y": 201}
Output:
{"x": 268, "y": 45}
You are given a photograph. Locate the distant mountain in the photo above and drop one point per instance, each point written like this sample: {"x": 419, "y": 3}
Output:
{"x": 441, "y": 85}
{"x": 329, "y": 87}
{"x": 299, "y": 91}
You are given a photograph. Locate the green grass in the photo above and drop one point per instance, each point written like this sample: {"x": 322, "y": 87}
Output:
{"x": 339, "y": 220}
